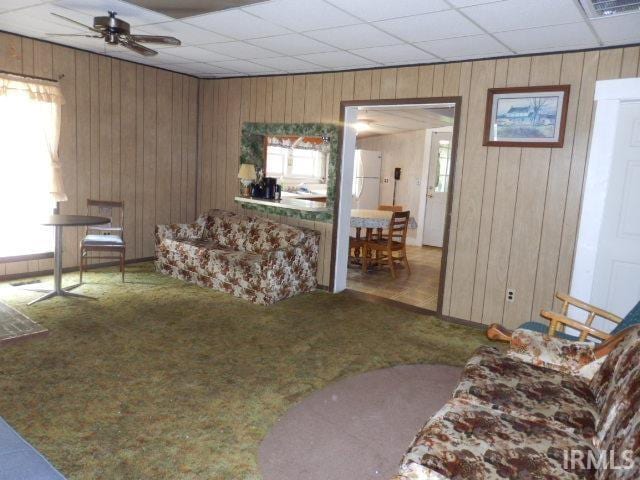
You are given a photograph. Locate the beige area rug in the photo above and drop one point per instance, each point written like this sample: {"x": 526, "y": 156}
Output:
{"x": 15, "y": 326}
{"x": 357, "y": 428}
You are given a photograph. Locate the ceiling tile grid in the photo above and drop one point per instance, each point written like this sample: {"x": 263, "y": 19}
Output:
{"x": 294, "y": 36}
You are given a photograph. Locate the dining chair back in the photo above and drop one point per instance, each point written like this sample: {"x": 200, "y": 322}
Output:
{"x": 394, "y": 241}
{"x": 390, "y": 208}
{"x": 105, "y": 238}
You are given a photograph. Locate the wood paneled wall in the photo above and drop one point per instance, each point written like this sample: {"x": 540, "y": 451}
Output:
{"x": 515, "y": 210}
{"x": 129, "y": 132}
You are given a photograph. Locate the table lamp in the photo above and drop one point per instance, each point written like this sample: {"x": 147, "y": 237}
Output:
{"x": 247, "y": 175}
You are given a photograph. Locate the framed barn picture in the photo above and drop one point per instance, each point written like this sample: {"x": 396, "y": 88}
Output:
{"x": 526, "y": 116}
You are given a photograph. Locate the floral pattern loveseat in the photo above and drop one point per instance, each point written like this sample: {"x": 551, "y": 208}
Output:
{"x": 545, "y": 410}
{"x": 250, "y": 257}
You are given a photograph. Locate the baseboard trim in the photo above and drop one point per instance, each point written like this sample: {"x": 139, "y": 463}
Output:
{"x": 412, "y": 308}
{"x": 41, "y": 273}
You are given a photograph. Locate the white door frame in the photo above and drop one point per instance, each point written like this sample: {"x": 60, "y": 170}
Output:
{"x": 609, "y": 94}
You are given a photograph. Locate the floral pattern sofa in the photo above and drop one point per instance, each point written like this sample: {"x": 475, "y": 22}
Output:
{"x": 527, "y": 413}
{"x": 250, "y": 257}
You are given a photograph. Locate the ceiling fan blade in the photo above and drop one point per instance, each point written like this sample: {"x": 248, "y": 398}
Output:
{"x": 73, "y": 35}
{"x": 136, "y": 47}
{"x": 155, "y": 39}
{"x": 77, "y": 23}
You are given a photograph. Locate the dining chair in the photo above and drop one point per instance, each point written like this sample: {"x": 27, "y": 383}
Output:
{"x": 390, "y": 208}
{"x": 396, "y": 241}
{"x": 108, "y": 237}
{"x": 380, "y": 233}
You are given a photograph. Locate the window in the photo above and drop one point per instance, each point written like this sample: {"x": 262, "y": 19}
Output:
{"x": 29, "y": 130}
{"x": 444, "y": 160}
{"x": 296, "y": 160}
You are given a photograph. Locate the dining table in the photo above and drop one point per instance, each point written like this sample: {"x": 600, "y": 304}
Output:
{"x": 58, "y": 222}
{"x": 371, "y": 220}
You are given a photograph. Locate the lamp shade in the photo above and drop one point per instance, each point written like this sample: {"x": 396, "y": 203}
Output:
{"x": 247, "y": 172}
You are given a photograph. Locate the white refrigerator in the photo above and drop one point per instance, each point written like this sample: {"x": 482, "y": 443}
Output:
{"x": 366, "y": 179}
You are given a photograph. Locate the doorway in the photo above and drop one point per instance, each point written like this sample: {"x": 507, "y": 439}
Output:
{"x": 397, "y": 156}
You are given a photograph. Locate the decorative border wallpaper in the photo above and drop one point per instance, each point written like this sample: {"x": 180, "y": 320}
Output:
{"x": 252, "y": 151}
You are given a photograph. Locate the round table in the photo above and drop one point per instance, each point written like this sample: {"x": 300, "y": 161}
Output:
{"x": 59, "y": 222}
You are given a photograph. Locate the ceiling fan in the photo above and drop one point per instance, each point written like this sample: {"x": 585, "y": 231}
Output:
{"x": 117, "y": 32}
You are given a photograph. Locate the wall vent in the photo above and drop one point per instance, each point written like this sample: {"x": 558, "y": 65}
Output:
{"x": 607, "y": 8}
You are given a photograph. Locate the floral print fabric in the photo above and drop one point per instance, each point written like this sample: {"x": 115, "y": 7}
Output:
{"x": 514, "y": 420}
{"x": 509, "y": 385}
{"x": 217, "y": 251}
{"x": 551, "y": 352}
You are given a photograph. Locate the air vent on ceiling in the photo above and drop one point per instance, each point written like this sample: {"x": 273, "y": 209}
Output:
{"x": 190, "y": 8}
{"x": 607, "y": 8}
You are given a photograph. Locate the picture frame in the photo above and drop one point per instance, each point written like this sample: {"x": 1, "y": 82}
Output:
{"x": 526, "y": 116}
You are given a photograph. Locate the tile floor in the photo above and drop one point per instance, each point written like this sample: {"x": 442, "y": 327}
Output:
{"x": 420, "y": 288}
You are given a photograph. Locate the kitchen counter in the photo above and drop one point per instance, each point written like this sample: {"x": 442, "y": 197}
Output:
{"x": 288, "y": 204}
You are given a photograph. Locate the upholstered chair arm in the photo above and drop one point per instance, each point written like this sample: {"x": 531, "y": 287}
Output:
{"x": 552, "y": 352}
{"x": 174, "y": 231}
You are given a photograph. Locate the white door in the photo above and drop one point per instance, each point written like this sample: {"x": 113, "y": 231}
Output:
{"x": 616, "y": 276}
{"x": 437, "y": 189}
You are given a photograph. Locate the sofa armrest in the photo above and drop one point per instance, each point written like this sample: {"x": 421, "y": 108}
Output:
{"x": 552, "y": 352}
{"x": 173, "y": 231}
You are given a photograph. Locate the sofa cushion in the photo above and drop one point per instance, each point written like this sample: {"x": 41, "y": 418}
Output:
{"x": 264, "y": 236}
{"x": 204, "y": 257}
{"x": 473, "y": 442}
{"x": 230, "y": 230}
{"x": 555, "y": 353}
{"x": 622, "y": 400}
{"x": 524, "y": 390}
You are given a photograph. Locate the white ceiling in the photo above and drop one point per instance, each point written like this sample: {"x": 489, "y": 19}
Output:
{"x": 293, "y": 36}
{"x": 385, "y": 120}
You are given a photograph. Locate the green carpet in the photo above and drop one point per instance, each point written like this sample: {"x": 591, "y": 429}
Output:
{"x": 162, "y": 379}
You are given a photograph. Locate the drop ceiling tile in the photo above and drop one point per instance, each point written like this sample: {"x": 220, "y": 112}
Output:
{"x": 354, "y": 36}
{"x": 462, "y": 46}
{"x": 619, "y": 29}
{"x": 37, "y": 21}
{"x": 163, "y": 58}
{"x": 236, "y": 24}
{"x": 187, "y": 34}
{"x": 196, "y": 54}
{"x": 551, "y": 38}
{"x": 245, "y": 66}
{"x": 199, "y": 68}
{"x": 372, "y": 10}
{"x": 337, "y": 60}
{"x": 431, "y": 26}
{"x": 395, "y": 54}
{"x": 289, "y": 64}
{"x": 520, "y": 14}
{"x": 7, "y": 5}
{"x": 292, "y": 44}
{"x": 469, "y": 3}
{"x": 302, "y": 16}
{"x": 241, "y": 50}
{"x": 132, "y": 14}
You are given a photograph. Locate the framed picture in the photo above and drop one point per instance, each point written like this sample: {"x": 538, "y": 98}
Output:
{"x": 526, "y": 116}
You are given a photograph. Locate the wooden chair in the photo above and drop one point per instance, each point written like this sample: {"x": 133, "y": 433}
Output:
{"x": 390, "y": 208}
{"x": 558, "y": 322}
{"x": 108, "y": 237}
{"x": 395, "y": 242}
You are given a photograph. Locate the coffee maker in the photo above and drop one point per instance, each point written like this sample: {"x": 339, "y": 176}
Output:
{"x": 270, "y": 187}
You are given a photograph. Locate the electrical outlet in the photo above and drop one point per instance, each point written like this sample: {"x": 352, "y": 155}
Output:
{"x": 386, "y": 180}
{"x": 511, "y": 295}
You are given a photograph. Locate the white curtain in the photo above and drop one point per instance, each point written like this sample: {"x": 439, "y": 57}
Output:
{"x": 30, "y": 173}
